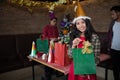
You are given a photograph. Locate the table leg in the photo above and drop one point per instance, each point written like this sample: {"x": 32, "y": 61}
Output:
{"x": 106, "y": 73}
{"x": 66, "y": 77}
{"x": 33, "y": 72}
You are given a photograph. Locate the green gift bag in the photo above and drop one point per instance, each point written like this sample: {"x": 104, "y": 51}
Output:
{"x": 83, "y": 63}
{"x": 42, "y": 45}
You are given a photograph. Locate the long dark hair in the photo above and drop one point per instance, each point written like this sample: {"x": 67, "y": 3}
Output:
{"x": 88, "y": 33}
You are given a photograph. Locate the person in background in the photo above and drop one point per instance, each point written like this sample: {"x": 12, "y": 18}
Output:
{"x": 114, "y": 41}
{"x": 50, "y": 32}
{"x": 83, "y": 31}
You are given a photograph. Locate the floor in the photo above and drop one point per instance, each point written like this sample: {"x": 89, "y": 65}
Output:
{"x": 26, "y": 74}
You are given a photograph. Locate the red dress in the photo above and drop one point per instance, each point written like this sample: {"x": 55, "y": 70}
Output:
{"x": 72, "y": 76}
{"x": 50, "y": 31}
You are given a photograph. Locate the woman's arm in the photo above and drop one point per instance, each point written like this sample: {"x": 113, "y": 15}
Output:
{"x": 96, "y": 47}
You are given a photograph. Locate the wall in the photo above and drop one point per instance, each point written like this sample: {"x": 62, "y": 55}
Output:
{"x": 18, "y": 20}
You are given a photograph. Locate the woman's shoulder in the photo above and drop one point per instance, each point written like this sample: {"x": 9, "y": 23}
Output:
{"x": 94, "y": 35}
{"x": 47, "y": 26}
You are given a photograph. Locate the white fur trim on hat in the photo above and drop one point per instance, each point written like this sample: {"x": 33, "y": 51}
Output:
{"x": 80, "y": 17}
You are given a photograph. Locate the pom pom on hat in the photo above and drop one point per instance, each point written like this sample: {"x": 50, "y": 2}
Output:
{"x": 79, "y": 13}
{"x": 51, "y": 15}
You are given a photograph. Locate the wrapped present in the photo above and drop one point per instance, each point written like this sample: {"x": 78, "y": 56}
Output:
{"x": 61, "y": 54}
{"x": 42, "y": 45}
{"x": 84, "y": 62}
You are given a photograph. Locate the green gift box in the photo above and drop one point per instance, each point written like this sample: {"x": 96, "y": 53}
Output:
{"x": 83, "y": 63}
{"x": 42, "y": 45}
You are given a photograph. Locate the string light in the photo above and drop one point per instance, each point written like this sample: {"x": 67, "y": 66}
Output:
{"x": 30, "y": 4}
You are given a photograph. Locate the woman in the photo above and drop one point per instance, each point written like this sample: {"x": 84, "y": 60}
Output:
{"x": 50, "y": 31}
{"x": 83, "y": 31}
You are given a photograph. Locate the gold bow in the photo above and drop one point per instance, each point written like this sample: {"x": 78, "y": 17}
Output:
{"x": 86, "y": 47}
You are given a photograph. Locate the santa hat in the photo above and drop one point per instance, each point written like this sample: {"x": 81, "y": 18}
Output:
{"x": 51, "y": 11}
{"x": 79, "y": 13}
{"x": 52, "y": 15}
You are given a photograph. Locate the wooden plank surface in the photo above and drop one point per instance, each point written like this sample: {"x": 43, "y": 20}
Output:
{"x": 63, "y": 69}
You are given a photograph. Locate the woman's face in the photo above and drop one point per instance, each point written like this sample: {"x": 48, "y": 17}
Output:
{"x": 81, "y": 26}
{"x": 53, "y": 22}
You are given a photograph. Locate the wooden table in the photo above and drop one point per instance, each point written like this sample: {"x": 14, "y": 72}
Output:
{"x": 62, "y": 69}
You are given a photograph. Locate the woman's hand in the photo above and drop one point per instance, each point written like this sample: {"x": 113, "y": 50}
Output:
{"x": 76, "y": 41}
